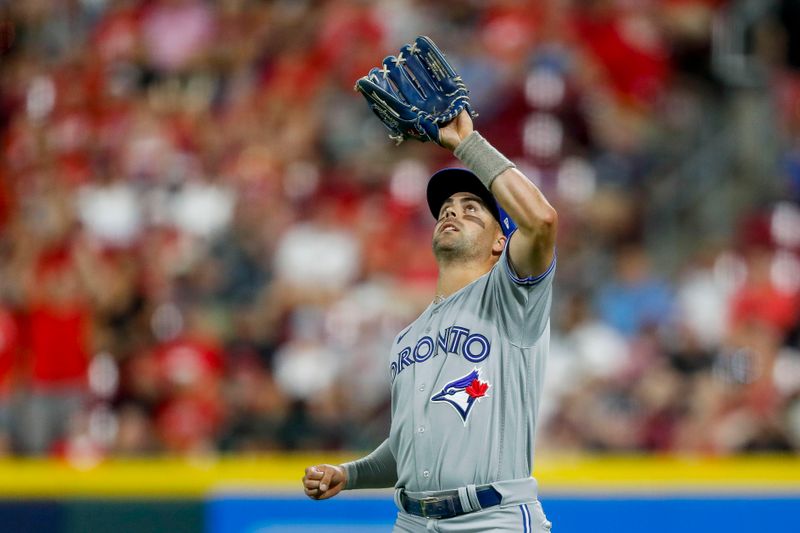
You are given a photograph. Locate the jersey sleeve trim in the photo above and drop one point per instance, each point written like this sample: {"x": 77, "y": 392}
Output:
{"x": 530, "y": 280}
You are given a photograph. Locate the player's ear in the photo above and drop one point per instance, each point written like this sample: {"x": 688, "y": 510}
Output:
{"x": 499, "y": 243}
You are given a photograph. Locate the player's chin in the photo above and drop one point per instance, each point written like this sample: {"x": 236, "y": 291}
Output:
{"x": 442, "y": 248}
{"x": 446, "y": 240}
{"x": 451, "y": 249}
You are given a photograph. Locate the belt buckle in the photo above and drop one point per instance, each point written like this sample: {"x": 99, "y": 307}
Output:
{"x": 433, "y": 507}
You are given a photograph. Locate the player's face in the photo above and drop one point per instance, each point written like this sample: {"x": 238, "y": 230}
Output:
{"x": 465, "y": 229}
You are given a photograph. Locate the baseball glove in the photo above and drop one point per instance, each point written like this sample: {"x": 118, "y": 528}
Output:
{"x": 415, "y": 93}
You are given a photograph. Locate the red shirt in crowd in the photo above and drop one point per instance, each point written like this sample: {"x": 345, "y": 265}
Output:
{"x": 9, "y": 346}
{"x": 59, "y": 322}
{"x": 58, "y": 345}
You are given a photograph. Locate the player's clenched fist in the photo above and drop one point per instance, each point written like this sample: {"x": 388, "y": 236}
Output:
{"x": 324, "y": 481}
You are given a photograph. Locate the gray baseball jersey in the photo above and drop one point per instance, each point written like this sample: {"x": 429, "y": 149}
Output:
{"x": 466, "y": 382}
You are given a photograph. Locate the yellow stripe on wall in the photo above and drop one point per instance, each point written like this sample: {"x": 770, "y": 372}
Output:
{"x": 670, "y": 473}
{"x": 173, "y": 477}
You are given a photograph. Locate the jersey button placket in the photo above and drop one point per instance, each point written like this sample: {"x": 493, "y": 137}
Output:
{"x": 422, "y": 406}
{"x": 421, "y": 372}
{"x": 421, "y": 443}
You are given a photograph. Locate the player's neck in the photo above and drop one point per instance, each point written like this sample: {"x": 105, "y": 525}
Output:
{"x": 455, "y": 276}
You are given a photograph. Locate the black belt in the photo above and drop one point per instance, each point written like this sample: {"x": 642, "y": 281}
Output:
{"x": 447, "y": 504}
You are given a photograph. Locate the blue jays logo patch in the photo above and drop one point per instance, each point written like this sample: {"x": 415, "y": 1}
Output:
{"x": 463, "y": 392}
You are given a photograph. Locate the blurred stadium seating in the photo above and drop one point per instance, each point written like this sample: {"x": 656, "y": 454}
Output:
{"x": 207, "y": 243}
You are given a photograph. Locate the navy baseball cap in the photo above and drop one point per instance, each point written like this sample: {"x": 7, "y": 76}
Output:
{"x": 448, "y": 181}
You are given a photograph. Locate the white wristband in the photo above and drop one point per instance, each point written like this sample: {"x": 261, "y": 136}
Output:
{"x": 482, "y": 158}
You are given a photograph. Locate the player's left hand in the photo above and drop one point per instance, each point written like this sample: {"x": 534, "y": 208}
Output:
{"x": 321, "y": 482}
{"x": 456, "y": 130}
{"x": 416, "y": 92}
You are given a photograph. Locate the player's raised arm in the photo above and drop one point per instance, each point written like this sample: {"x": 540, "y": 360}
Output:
{"x": 418, "y": 95}
{"x": 532, "y": 246}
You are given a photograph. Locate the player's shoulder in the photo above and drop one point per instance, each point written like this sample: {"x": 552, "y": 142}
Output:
{"x": 404, "y": 332}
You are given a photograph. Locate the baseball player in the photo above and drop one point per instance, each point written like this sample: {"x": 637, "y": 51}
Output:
{"x": 466, "y": 376}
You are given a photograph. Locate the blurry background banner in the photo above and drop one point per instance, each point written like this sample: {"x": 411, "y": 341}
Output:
{"x": 276, "y": 473}
{"x": 247, "y": 494}
{"x": 199, "y": 254}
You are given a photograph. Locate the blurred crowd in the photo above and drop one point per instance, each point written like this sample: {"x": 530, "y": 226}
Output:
{"x": 207, "y": 243}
